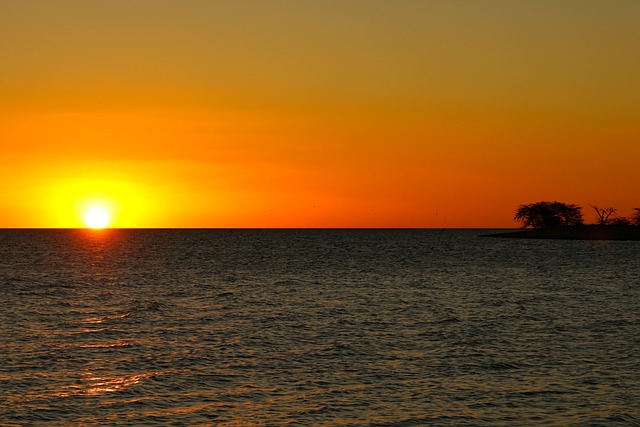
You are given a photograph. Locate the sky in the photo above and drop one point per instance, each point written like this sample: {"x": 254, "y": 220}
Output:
{"x": 300, "y": 113}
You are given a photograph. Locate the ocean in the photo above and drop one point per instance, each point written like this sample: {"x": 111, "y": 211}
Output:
{"x": 316, "y": 327}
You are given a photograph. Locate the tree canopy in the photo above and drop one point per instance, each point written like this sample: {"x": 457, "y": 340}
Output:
{"x": 635, "y": 218}
{"x": 549, "y": 215}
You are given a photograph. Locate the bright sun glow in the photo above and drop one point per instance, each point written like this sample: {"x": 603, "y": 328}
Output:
{"x": 96, "y": 218}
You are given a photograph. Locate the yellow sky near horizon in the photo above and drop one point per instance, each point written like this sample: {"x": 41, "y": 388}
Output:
{"x": 315, "y": 114}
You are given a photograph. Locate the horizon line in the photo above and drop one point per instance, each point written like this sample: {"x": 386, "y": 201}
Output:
{"x": 256, "y": 228}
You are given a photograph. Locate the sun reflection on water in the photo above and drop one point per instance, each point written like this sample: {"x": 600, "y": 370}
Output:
{"x": 97, "y": 385}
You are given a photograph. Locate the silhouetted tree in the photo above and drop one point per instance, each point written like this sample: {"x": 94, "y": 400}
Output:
{"x": 549, "y": 215}
{"x": 603, "y": 214}
{"x": 620, "y": 221}
{"x": 635, "y": 218}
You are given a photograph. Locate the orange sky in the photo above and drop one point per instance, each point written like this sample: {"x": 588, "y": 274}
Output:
{"x": 315, "y": 114}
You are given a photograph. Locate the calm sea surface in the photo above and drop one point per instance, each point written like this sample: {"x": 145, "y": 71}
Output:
{"x": 316, "y": 327}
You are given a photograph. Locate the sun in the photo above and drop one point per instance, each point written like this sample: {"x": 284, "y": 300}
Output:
{"x": 97, "y": 217}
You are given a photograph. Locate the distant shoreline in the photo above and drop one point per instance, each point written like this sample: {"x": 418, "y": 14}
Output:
{"x": 585, "y": 232}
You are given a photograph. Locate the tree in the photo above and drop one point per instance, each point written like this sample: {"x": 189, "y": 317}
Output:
{"x": 549, "y": 215}
{"x": 635, "y": 218}
{"x": 620, "y": 221}
{"x": 603, "y": 214}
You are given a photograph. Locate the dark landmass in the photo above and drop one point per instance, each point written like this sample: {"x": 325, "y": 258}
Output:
{"x": 584, "y": 232}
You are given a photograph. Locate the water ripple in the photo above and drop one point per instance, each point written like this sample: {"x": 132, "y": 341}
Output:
{"x": 316, "y": 327}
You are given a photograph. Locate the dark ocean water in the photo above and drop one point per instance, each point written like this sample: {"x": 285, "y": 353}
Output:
{"x": 316, "y": 327}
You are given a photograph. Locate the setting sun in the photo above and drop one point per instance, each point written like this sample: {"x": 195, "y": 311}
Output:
{"x": 96, "y": 217}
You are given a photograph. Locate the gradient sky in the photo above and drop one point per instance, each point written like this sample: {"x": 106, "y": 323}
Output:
{"x": 333, "y": 113}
